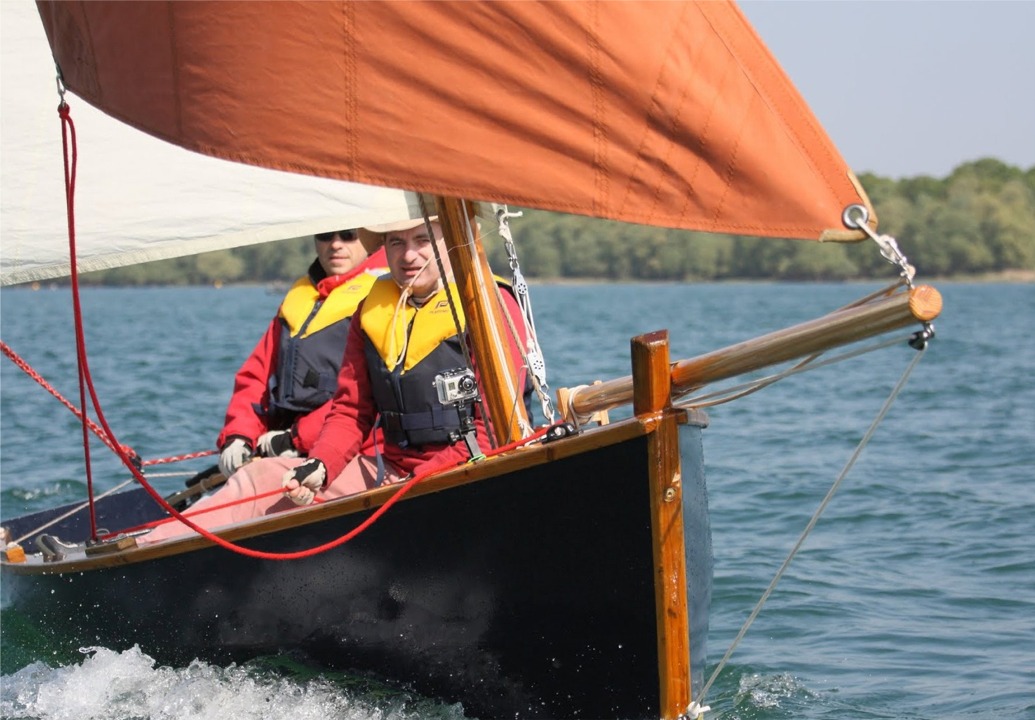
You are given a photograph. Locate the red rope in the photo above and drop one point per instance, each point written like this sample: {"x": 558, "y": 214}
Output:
{"x": 241, "y": 550}
{"x": 86, "y": 383}
{"x": 67, "y": 135}
{"x": 196, "y": 513}
{"x": 179, "y": 458}
{"x": 85, "y": 380}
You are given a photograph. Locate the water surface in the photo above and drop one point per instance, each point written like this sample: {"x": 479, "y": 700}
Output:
{"x": 914, "y": 597}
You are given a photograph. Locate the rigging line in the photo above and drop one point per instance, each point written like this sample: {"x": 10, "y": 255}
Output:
{"x": 355, "y": 532}
{"x": 184, "y": 473}
{"x": 443, "y": 277}
{"x": 68, "y": 136}
{"x": 735, "y": 392}
{"x": 179, "y": 458}
{"x": 515, "y": 338}
{"x": 85, "y": 379}
{"x": 533, "y": 356}
{"x": 515, "y": 384}
{"x": 518, "y": 393}
{"x": 71, "y": 512}
{"x": 814, "y": 519}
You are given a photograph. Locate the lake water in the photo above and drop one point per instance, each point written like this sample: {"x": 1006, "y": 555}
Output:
{"x": 914, "y": 597}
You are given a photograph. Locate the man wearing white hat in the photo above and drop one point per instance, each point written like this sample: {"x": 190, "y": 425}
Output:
{"x": 402, "y": 341}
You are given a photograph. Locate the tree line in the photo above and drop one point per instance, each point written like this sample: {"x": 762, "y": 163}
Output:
{"x": 978, "y": 220}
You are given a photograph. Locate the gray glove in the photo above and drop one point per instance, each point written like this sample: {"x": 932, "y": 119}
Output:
{"x": 303, "y": 482}
{"x": 277, "y": 443}
{"x": 235, "y": 453}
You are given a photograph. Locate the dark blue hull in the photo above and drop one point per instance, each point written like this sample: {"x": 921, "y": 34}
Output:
{"x": 525, "y": 594}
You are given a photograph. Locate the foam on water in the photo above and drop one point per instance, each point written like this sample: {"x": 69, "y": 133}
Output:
{"x": 109, "y": 685}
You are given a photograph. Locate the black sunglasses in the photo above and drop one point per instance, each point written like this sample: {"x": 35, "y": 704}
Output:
{"x": 346, "y": 235}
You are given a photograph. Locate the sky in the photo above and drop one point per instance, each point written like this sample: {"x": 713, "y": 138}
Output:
{"x": 911, "y": 87}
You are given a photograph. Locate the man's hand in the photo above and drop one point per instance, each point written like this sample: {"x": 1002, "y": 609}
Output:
{"x": 277, "y": 443}
{"x": 302, "y": 483}
{"x": 235, "y": 453}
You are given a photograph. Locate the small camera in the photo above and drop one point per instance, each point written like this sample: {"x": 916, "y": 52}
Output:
{"x": 456, "y": 386}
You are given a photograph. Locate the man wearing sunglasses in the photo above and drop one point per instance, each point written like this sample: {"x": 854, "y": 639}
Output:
{"x": 283, "y": 390}
{"x": 391, "y": 385}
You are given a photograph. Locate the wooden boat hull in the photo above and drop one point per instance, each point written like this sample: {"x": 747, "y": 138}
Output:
{"x": 524, "y": 587}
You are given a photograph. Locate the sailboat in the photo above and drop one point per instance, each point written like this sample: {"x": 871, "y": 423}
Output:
{"x": 669, "y": 114}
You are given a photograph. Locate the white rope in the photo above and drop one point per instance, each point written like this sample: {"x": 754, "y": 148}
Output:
{"x": 812, "y": 521}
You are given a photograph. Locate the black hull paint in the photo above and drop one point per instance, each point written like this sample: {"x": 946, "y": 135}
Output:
{"x": 525, "y": 595}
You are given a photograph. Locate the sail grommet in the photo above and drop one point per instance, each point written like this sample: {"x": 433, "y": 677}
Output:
{"x": 855, "y": 216}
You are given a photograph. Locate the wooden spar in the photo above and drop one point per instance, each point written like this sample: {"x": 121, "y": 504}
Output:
{"x": 486, "y": 325}
{"x": 650, "y": 359}
{"x": 922, "y": 303}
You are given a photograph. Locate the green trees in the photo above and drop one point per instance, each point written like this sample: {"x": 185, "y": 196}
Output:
{"x": 979, "y": 219}
{"x": 270, "y": 262}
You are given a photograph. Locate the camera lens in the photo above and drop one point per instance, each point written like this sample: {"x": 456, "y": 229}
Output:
{"x": 466, "y": 384}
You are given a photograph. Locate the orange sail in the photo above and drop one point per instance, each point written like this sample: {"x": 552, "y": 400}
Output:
{"x": 662, "y": 113}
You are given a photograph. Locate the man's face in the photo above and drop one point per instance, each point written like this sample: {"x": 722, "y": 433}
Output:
{"x": 339, "y": 251}
{"x": 411, "y": 258}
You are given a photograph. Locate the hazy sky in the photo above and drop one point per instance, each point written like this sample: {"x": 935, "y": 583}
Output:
{"x": 910, "y": 88}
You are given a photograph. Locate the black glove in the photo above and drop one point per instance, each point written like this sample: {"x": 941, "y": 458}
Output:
{"x": 277, "y": 443}
{"x": 303, "y": 482}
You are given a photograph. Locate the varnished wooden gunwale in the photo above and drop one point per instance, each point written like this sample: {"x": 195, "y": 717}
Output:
{"x": 492, "y": 467}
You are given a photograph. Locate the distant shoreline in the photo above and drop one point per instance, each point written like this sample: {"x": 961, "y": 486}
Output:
{"x": 1005, "y": 277}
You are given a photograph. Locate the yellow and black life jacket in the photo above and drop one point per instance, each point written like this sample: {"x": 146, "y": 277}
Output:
{"x": 312, "y": 344}
{"x": 406, "y": 348}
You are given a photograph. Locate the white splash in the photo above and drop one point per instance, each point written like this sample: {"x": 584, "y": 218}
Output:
{"x": 128, "y": 685}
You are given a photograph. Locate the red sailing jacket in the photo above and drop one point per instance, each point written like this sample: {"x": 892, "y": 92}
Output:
{"x": 353, "y": 412}
{"x": 245, "y": 414}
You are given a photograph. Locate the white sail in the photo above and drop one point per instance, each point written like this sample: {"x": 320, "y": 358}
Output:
{"x": 137, "y": 198}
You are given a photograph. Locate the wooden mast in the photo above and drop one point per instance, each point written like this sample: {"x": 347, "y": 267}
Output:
{"x": 486, "y": 325}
